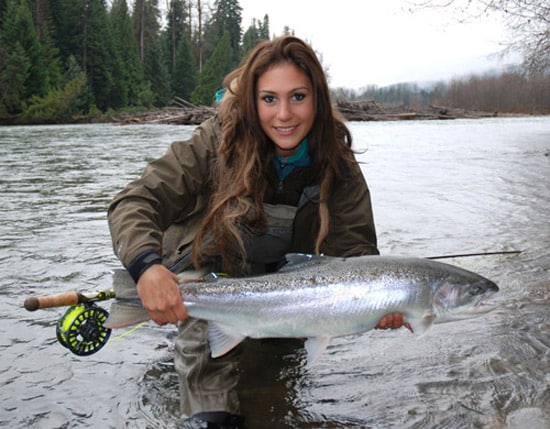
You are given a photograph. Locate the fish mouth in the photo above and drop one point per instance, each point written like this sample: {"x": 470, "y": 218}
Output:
{"x": 484, "y": 306}
{"x": 493, "y": 288}
{"x": 484, "y": 301}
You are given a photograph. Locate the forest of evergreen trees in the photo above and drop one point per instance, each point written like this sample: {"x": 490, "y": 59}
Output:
{"x": 67, "y": 60}
{"x": 63, "y": 59}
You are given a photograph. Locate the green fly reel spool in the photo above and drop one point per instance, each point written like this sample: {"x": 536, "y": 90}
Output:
{"x": 81, "y": 329}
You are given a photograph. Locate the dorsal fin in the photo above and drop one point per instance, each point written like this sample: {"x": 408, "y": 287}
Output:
{"x": 297, "y": 261}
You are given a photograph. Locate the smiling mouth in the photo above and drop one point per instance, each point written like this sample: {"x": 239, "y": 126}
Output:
{"x": 285, "y": 130}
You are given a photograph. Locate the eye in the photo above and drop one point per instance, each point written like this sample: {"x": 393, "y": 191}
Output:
{"x": 299, "y": 96}
{"x": 268, "y": 99}
{"x": 476, "y": 290}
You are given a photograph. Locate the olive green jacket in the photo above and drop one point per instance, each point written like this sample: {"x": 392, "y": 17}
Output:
{"x": 156, "y": 217}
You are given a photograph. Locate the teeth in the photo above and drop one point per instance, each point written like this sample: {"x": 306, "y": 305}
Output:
{"x": 285, "y": 129}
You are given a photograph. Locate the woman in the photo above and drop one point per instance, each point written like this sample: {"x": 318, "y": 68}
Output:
{"x": 272, "y": 173}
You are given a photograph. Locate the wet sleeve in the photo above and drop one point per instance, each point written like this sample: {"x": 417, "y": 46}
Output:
{"x": 167, "y": 192}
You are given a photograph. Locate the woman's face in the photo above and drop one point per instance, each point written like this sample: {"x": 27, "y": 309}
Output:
{"x": 285, "y": 106}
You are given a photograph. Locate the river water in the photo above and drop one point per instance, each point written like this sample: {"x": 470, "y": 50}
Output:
{"x": 438, "y": 188}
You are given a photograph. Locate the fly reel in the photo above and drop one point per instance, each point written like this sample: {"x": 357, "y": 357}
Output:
{"x": 81, "y": 329}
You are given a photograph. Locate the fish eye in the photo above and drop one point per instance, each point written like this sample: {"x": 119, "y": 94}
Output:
{"x": 476, "y": 290}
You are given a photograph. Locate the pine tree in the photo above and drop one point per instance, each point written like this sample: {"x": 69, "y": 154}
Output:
{"x": 3, "y": 4}
{"x": 44, "y": 27}
{"x": 69, "y": 18}
{"x": 176, "y": 29}
{"x": 227, "y": 18}
{"x": 100, "y": 61}
{"x": 14, "y": 72}
{"x": 83, "y": 30}
{"x": 145, "y": 22}
{"x": 215, "y": 69}
{"x": 184, "y": 76}
{"x": 152, "y": 52}
{"x": 257, "y": 32}
{"x": 157, "y": 73}
{"x": 19, "y": 37}
{"x": 130, "y": 76}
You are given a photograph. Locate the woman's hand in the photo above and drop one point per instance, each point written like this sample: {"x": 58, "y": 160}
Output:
{"x": 393, "y": 321}
{"x": 160, "y": 295}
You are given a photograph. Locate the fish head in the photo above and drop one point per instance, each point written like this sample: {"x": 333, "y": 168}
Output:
{"x": 463, "y": 296}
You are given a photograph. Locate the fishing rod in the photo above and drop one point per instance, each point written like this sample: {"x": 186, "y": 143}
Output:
{"x": 81, "y": 328}
{"x": 34, "y": 303}
{"x": 467, "y": 255}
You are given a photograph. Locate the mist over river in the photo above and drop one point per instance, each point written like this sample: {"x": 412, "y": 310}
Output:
{"x": 438, "y": 188}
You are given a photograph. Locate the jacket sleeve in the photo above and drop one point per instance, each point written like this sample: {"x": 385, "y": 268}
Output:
{"x": 352, "y": 231}
{"x": 168, "y": 192}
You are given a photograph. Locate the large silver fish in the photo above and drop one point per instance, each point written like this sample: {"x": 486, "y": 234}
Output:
{"x": 319, "y": 297}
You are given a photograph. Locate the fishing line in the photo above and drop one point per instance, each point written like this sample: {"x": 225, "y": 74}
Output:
{"x": 128, "y": 332}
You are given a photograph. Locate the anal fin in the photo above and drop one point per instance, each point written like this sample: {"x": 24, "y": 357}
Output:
{"x": 222, "y": 339}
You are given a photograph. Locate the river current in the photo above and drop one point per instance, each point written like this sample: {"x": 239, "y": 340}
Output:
{"x": 438, "y": 188}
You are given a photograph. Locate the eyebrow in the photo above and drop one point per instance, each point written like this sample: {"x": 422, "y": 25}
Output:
{"x": 299, "y": 88}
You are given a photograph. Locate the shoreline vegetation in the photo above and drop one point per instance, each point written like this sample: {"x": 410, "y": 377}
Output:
{"x": 354, "y": 111}
{"x": 124, "y": 64}
{"x": 183, "y": 112}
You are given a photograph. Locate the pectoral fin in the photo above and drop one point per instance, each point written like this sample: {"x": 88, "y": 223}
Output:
{"x": 222, "y": 339}
{"x": 422, "y": 324}
{"x": 315, "y": 348}
{"x": 125, "y": 313}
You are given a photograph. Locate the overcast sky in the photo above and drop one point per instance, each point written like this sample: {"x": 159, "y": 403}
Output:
{"x": 380, "y": 42}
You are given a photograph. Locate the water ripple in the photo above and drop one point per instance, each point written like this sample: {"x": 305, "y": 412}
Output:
{"x": 437, "y": 188}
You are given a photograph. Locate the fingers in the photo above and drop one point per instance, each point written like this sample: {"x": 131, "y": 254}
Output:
{"x": 160, "y": 295}
{"x": 168, "y": 312}
{"x": 393, "y": 321}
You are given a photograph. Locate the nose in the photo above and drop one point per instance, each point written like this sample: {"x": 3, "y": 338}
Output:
{"x": 285, "y": 111}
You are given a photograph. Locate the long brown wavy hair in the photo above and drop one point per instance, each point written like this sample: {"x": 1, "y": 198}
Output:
{"x": 245, "y": 153}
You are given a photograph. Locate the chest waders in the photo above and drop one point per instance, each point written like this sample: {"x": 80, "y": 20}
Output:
{"x": 208, "y": 387}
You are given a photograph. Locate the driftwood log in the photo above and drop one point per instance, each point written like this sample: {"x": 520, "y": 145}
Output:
{"x": 370, "y": 110}
{"x": 182, "y": 113}
{"x": 171, "y": 116}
